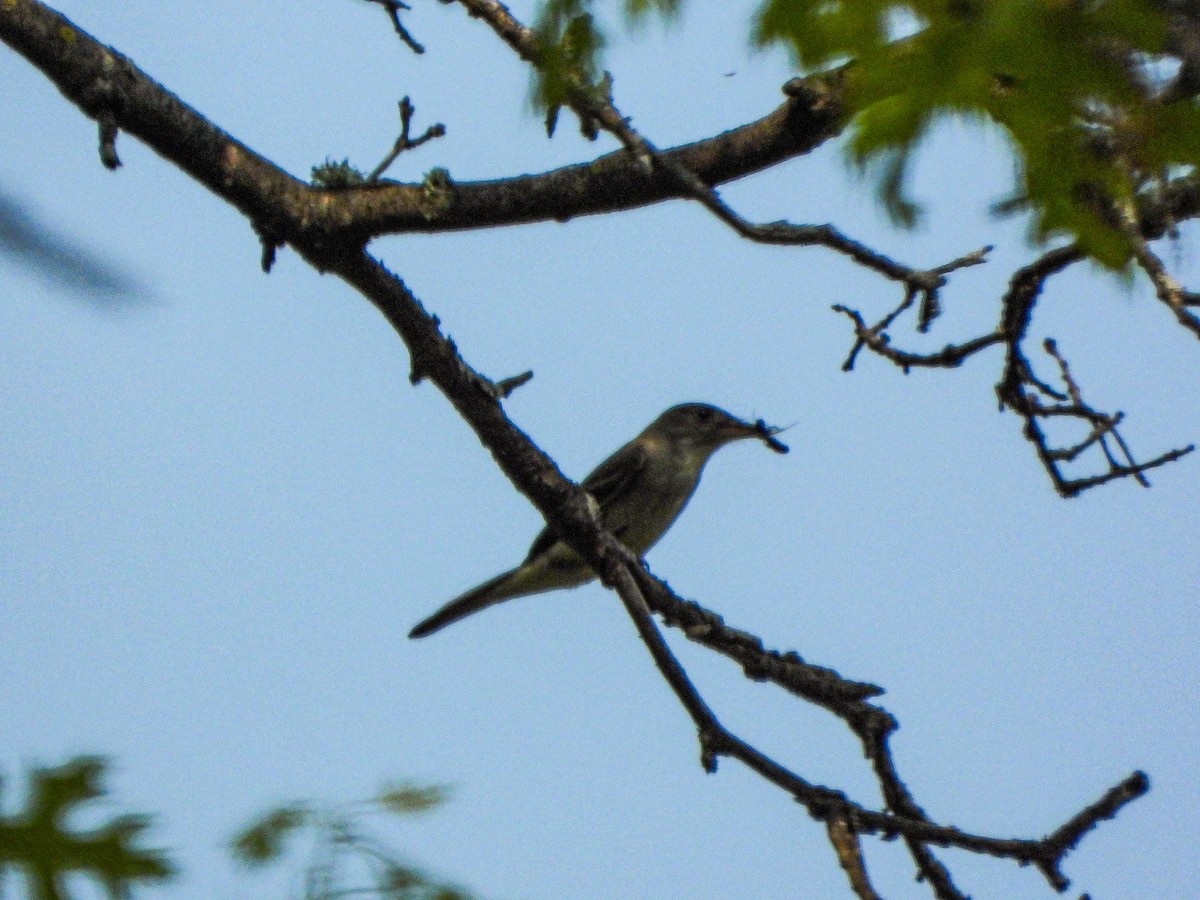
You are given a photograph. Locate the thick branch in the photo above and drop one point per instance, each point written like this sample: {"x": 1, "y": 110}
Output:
{"x": 102, "y": 82}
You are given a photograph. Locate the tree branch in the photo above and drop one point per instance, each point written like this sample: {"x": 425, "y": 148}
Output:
{"x": 281, "y": 208}
{"x": 393, "y": 8}
{"x": 1023, "y": 392}
{"x": 593, "y": 105}
{"x": 404, "y": 141}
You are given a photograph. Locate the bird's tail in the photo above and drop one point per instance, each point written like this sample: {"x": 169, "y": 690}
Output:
{"x": 502, "y": 587}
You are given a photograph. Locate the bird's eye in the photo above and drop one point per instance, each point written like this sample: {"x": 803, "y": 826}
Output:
{"x": 703, "y": 414}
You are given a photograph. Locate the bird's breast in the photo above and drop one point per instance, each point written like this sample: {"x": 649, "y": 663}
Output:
{"x": 644, "y": 512}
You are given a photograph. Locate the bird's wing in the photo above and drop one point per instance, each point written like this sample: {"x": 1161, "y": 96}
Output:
{"x": 610, "y": 480}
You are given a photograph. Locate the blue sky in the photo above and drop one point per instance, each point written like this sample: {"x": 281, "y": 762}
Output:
{"x": 222, "y": 507}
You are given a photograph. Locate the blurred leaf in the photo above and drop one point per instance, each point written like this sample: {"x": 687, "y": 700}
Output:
{"x": 263, "y": 840}
{"x": 1069, "y": 83}
{"x": 449, "y": 893}
{"x": 39, "y": 842}
{"x": 30, "y": 241}
{"x": 406, "y": 799}
{"x": 343, "y": 847}
{"x": 638, "y": 10}
{"x": 570, "y": 45}
{"x": 820, "y": 32}
{"x": 401, "y": 880}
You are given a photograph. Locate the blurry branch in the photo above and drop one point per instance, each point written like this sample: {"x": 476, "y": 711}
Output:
{"x": 32, "y": 243}
{"x": 1183, "y": 43}
{"x": 284, "y": 210}
{"x": 1166, "y": 288}
{"x": 393, "y": 8}
{"x": 343, "y": 847}
{"x": 39, "y": 842}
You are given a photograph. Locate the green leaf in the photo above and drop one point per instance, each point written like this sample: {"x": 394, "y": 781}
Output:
{"x": 638, "y": 10}
{"x": 569, "y": 49}
{"x": 1065, "y": 81}
{"x": 406, "y": 799}
{"x": 39, "y": 842}
{"x": 263, "y": 840}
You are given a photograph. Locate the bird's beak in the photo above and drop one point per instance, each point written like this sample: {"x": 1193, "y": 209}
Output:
{"x": 738, "y": 430}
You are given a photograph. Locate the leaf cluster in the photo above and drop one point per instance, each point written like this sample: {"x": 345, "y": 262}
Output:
{"x": 341, "y": 843}
{"x": 39, "y": 842}
{"x": 1071, "y": 83}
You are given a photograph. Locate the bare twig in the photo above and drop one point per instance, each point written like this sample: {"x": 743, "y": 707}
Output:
{"x": 815, "y": 684}
{"x": 876, "y": 339}
{"x": 1166, "y": 288}
{"x": 620, "y": 570}
{"x": 393, "y": 8}
{"x": 404, "y": 142}
{"x": 505, "y": 386}
{"x": 1021, "y": 391}
{"x": 1067, "y": 836}
{"x": 108, "y": 140}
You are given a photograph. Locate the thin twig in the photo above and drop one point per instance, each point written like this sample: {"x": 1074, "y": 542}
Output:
{"x": 404, "y": 142}
{"x": 1166, "y": 288}
{"x": 505, "y": 386}
{"x": 874, "y": 338}
{"x": 1021, "y": 391}
{"x": 619, "y": 570}
{"x": 594, "y": 105}
{"x": 393, "y": 8}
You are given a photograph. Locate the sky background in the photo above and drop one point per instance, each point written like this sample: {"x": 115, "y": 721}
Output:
{"x": 222, "y": 506}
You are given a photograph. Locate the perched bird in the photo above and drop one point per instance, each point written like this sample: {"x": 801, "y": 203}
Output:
{"x": 639, "y": 491}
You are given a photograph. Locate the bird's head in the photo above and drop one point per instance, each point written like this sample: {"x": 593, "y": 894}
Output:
{"x": 705, "y": 428}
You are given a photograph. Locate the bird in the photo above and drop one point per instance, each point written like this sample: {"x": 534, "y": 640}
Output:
{"x": 638, "y": 493}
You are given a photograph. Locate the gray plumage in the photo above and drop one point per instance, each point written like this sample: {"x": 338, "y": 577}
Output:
{"x": 640, "y": 490}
